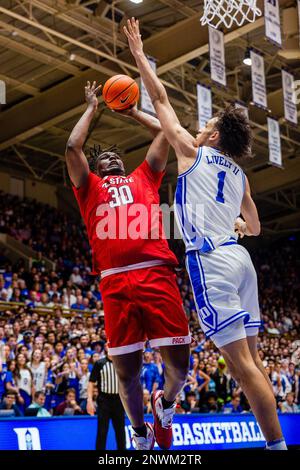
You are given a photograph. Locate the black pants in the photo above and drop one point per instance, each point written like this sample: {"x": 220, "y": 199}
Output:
{"x": 110, "y": 408}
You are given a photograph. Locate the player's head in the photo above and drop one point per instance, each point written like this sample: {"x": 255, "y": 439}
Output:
{"x": 106, "y": 162}
{"x": 229, "y": 131}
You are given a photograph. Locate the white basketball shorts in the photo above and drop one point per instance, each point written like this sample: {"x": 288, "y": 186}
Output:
{"x": 224, "y": 284}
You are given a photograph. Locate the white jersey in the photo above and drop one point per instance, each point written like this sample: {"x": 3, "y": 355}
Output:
{"x": 208, "y": 200}
{"x": 25, "y": 381}
{"x": 39, "y": 376}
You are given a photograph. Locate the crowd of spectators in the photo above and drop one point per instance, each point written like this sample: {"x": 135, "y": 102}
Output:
{"x": 52, "y": 326}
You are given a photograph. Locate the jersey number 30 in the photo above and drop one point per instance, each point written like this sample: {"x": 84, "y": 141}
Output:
{"x": 120, "y": 196}
{"x": 221, "y": 182}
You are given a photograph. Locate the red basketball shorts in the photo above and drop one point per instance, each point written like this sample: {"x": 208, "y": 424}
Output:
{"x": 143, "y": 304}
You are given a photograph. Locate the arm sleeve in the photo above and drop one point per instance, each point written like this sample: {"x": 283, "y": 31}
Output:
{"x": 82, "y": 193}
{"x": 95, "y": 374}
{"x": 154, "y": 177}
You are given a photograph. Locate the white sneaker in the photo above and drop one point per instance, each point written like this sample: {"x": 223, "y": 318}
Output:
{"x": 145, "y": 443}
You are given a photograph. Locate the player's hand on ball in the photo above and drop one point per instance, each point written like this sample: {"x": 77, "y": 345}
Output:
{"x": 126, "y": 112}
{"x": 240, "y": 227}
{"x": 91, "y": 92}
{"x": 132, "y": 32}
{"x": 90, "y": 408}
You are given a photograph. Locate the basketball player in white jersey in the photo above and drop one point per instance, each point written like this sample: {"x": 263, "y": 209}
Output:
{"x": 212, "y": 191}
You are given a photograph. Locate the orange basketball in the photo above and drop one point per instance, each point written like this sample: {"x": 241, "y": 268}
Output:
{"x": 120, "y": 92}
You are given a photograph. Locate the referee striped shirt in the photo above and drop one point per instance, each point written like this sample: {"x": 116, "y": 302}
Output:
{"x": 104, "y": 374}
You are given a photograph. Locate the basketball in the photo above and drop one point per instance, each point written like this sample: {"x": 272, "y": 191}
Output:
{"x": 120, "y": 92}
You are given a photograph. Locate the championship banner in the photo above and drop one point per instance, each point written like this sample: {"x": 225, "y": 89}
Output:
{"x": 290, "y": 107}
{"x": 275, "y": 156}
{"x": 259, "y": 91}
{"x": 146, "y": 103}
{"x": 272, "y": 22}
{"x": 241, "y": 105}
{"x": 204, "y": 101}
{"x": 217, "y": 56}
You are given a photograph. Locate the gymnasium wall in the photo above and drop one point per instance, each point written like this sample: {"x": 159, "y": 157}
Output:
{"x": 15, "y": 184}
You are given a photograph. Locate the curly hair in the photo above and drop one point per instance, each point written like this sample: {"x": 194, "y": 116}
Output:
{"x": 235, "y": 133}
{"x": 97, "y": 152}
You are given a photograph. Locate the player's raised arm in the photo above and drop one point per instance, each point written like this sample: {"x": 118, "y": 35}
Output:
{"x": 182, "y": 141}
{"x": 77, "y": 163}
{"x": 250, "y": 214}
{"x": 157, "y": 155}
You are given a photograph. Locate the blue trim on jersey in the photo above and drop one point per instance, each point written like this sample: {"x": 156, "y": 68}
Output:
{"x": 178, "y": 198}
{"x": 196, "y": 162}
{"x": 227, "y": 322}
{"x": 206, "y": 247}
{"x": 229, "y": 243}
{"x": 253, "y": 324}
{"x": 199, "y": 290}
{"x": 210, "y": 242}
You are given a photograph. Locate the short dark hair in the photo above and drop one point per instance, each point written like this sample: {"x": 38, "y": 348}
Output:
{"x": 8, "y": 393}
{"x": 38, "y": 394}
{"x": 235, "y": 133}
{"x": 97, "y": 152}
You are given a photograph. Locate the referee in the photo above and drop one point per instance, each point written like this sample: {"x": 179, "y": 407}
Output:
{"x": 109, "y": 404}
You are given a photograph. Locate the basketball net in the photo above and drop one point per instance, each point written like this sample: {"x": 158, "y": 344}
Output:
{"x": 227, "y": 12}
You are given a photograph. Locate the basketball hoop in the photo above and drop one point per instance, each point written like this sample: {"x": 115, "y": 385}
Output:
{"x": 227, "y": 12}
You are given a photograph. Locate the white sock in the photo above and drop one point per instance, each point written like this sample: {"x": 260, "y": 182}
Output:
{"x": 279, "y": 444}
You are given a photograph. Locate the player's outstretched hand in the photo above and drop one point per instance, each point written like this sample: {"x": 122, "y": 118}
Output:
{"x": 91, "y": 92}
{"x": 132, "y": 32}
{"x": 240, "y": 227}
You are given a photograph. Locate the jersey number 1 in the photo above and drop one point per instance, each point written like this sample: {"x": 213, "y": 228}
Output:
{"x": 221, "y": 182}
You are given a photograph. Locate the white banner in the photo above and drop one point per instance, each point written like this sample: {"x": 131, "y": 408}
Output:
{"x": 290, "y": 107}
{"x": 217, "y": 56}
{"x": 259, "y": 92}
{"x": 204, "y": 101}
{"x": 146, "y": 103}
{"x": 275, "y": 156}
{"x": 240, "y": 105}
{"x": 272, "y": 22}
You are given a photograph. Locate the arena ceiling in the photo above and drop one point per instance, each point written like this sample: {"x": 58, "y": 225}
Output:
{"x": 50, "y": 48}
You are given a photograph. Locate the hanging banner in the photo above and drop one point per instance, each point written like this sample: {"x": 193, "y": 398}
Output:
{"x": 146, "y": 103}
{"x": 275, "y": 156}
{"x": 259, "y": 92}
{"x": 241, "y": 105}
{"x": 2, "y": 92}
{"x": 217, "y": 56}
{"x": 204, "y": 101}
{"x": 272, "y": 22}
{"x": 290, "y": 107}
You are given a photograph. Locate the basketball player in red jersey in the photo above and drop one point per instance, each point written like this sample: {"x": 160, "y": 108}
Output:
{"x": 138, "y": 284}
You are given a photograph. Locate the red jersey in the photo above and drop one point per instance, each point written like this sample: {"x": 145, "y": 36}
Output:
{"x": 124, "y": 221}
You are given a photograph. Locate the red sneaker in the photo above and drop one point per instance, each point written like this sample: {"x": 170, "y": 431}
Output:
{"x": 162, "y": 420}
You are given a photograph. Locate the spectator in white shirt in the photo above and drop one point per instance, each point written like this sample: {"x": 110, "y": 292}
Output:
{"x": 75, "y": 277}
{"x": 289, "y": 405}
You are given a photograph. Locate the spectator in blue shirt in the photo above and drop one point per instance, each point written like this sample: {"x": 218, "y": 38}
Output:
{"x": 79, "y": 303}
{"x": 233, "y": 406}
{"x": 150, "y": 374}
